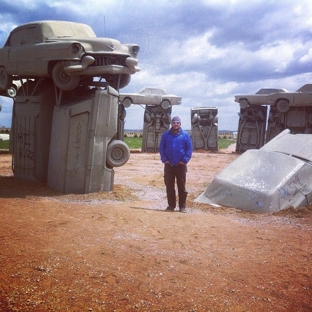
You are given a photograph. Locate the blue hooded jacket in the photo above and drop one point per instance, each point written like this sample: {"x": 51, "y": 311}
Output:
{"x": 175, "y": 147}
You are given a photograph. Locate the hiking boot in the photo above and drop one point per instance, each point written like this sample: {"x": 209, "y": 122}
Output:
{"x": 182, "y": 210}
{"x": 170, "y": 209}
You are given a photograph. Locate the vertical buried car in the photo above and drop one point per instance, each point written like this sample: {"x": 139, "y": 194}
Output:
{"x": 66, "y": 52}
{"x": 287, "y": 110}
{"x": 204, "y": 128}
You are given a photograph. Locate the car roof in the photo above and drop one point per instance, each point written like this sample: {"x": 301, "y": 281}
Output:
{"x": 305, "y": 88}
{"x": 270, "y": 90}
{"x": 53, "y": 28}
{"x": 34, "y": 23}
{"x": 153, "y": 89}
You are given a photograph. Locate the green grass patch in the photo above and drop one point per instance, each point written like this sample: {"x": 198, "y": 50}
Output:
{"x": 225, "y": 143}
{"x": 133, "y": 143}
{"x": 4, "y": 144}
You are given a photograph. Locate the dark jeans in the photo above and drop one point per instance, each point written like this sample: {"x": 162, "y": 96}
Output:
{"x": 171, "y": 173}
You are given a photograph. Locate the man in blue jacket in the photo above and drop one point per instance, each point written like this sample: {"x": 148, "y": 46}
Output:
{"x": 175, "y": 151}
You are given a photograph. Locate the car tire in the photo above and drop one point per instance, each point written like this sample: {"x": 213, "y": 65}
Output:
{"x": 261, "y": 116}
{"x": 127, "y": 102}
{"x": 124, "y": 80}
{"x": 282, "y": 106}
{"x": 12, "y": 91}
{"x": 118, "y": 81}
{"x": 5, "y": 79}
{"x": 195, "y": 118}
{"x": 165, "y": 104}
{"x": 62, "y": 80}
{"x": 169, "y": 118}
{"x": 122, "y": 115}
{"x": 147, "y": 118}
{"x": 118, "y": 153}
{"x": 243, "y": 103}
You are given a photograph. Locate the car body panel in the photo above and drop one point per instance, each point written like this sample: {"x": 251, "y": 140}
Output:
{"x": 150, "y": 96}
{"x": 275, "y": 177}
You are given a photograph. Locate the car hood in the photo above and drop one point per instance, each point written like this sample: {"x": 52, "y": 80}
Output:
{"x": 130, "y": 94}
{"x": 171, "y": 95}
{"x": 102, "y": 45}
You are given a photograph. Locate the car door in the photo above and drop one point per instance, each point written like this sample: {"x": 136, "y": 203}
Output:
{"x": 148, "y": 96}
{"x": 302, "y": 98}
{"x": 8, "y": 55}
{"x": 155, "y": 97}
{"x": 29, "y": 61}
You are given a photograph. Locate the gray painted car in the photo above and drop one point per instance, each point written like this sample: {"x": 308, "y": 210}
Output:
{"x": 267, "y": 113}
{"x": 280, "y": 98}
{"x": 259, "y": 98}
{"x": 67, "y": 52}
{"x": 150, "y": 96}
{"x": 275, "y": 177}
{"x": 283, "y": 101}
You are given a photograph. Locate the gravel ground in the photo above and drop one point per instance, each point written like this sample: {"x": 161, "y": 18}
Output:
{"x": 120, "y": 251}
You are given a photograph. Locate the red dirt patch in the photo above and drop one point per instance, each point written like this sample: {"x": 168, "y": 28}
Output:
{"x": 120, "y": 251}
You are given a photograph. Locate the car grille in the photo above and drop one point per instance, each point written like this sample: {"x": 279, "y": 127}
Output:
{"x": 108, "y": 60}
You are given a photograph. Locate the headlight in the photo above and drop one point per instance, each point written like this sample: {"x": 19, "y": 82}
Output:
{"x": 135, "y": 49}
{"x": 75, "y": 47}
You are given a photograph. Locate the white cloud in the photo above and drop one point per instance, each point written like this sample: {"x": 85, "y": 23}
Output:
{"x": 307, "y": 57}
{"x": 206, "y": 52}
{"x": 194, "y": 50}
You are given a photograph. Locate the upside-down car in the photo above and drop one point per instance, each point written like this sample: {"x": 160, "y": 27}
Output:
{"x": 66, "y": 52}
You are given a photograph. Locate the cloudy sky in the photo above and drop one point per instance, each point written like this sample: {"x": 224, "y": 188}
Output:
{"x": 205, "y": 51}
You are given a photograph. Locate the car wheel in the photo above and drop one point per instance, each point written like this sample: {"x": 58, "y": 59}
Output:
{"x": 169, "y": 118}
{"x": 243, "y": 103}
{"x": 195, "y": 118}
{"x": 122, "y": 115}
{"x": 118, "y": 81}
{"x": 147, "y": 118}
{"x": 127, "y": 102}
{"x": 118, "y": 153}
{"x": 5, "y": 79}
{"x": 62, "y": 80}
{"x": 282, "y": 106}
{"x": 124, "y": 80}
{"x": 261, "y": 115}
{"x": 165, "y": 104}
{"x": 12, "y": 91}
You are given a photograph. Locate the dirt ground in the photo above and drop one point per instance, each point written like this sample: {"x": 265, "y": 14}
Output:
{"x": 120, "y": 251}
